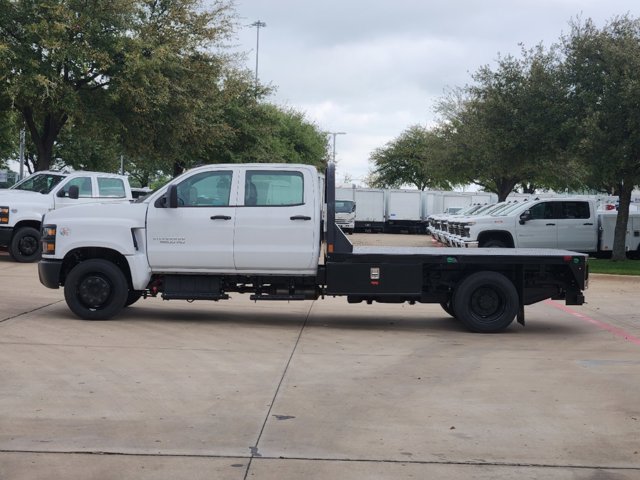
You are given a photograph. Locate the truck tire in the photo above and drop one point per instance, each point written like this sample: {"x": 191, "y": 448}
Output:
{"x": 446, "y": 306}
{"x": 494, "y": 244}
{"x": 486, "y": 302}
{"x": 132, "y": 297}
{"x": 96, "y": 290}
{"x": 25, "y": 245}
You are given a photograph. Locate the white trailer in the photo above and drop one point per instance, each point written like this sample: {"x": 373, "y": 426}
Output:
{"x": 483, "y": 198}
{"x": 370, "y": 211}
{"x": 346, "y": 193}
{"x": 454, "y": 200}
{"x": 404, "y": 211}
{"x": 431, "y": 203}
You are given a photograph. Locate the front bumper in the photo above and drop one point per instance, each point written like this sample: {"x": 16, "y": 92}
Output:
{"x": 469, "y": 244}
{"x": 49, "y": 273}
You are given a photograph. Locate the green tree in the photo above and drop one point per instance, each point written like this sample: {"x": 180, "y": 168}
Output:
{"x": 262, "y": 132}
{"x": 417, "y": 157}
{"x": 602, "y": 68}
{"x": 60, "y": 58}
{"x": 508, "y": 127}
{"x": 9, "y": 133}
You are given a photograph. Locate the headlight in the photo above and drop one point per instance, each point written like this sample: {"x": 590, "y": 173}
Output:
{"x": 4, "y": 215}
{"x": 49, "y": 239}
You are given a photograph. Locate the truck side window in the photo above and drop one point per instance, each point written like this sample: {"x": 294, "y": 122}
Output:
{"x": 111, "y": 187}
{"x": 206, "y": 189}
{"x": 83, "y": 184}
{"x": 542, "y": 211}
{"x": 575, "y": 210}
{"x": 269, "y": 188}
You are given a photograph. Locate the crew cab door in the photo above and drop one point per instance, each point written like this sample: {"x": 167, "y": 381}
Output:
{"x": 91, "y": 189}
{"x": 540, "y": 229}
{"x": 277, "y": 221}
{"x": 198, "y": 235}
{"x": 577, "y": 228}
{"x": 86, "y": 190}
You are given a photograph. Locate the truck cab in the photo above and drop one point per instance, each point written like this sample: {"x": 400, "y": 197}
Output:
{"x": 346, "y": 215}
{"x": 264, "y": 219}
{"x": 565, "y": 223}
{"x": 23, "y": 205}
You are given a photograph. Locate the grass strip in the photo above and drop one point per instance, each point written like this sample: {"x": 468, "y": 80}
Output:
{"x": 624, "y": 267}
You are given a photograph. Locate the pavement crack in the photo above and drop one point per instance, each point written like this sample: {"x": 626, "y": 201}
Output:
{"x": 256, "y": 455}
{"x": 277, "y": 391}
{"x": 29, "y": 311}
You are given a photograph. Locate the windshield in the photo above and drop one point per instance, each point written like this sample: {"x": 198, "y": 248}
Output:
{"x": 39, "y": 182}
{"x": 344, "y": 206}
{"x": 469, "y": 210}
{"x": 485, "y": 208}
{"x": 508, "y": 210}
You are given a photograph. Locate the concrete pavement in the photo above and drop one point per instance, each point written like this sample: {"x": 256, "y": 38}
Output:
{"x": 316, "y": 390}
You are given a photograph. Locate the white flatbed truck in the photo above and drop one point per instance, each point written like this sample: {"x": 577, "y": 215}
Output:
{"x": 257, "y": 229}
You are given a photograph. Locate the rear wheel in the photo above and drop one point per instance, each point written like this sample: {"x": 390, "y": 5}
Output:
{"x": 25, "y": 245}
{"x": 446, "y": 306}
{"x": 486, "y": 302}
{"x": 96, "y": 290}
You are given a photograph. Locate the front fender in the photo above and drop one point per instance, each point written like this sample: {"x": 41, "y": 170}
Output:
{"x": 114, "y": 227}
{"x": 110, "y": 235}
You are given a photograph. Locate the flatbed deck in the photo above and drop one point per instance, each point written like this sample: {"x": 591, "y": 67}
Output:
{"x": 466, "y": 252}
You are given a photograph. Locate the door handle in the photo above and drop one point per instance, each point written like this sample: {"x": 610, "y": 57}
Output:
{"x": 300, "y": 217}
{"x": 550, "y": 224}
{"x": 587, "y": 223}
{"x": 221, "y": 217}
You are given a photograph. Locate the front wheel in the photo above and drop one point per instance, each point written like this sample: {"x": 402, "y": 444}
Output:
{"x": 25, "y": 245}
{"x": 486, "y": 302}
{"x": 96, "y": 290}
{"x": 132, "y": 297}
{"x": 495, "y": 244}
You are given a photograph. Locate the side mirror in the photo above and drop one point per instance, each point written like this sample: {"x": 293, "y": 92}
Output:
{"x": 74, "y": 192}
{"x": 525, "y": 216}
{"x": 172, "y": 197}
{"x": 353, "y": 209}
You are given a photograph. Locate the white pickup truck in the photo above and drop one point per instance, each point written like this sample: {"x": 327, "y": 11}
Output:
{"x": 567, "y": 223}
{"x": 23, "y": 205}
{"x": 256, "y": 228}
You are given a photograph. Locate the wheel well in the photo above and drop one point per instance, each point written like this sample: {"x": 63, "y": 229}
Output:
{"x": 502, "y": 236}
{"x": 27, "y": 223}
{"x": 79, "y": 255}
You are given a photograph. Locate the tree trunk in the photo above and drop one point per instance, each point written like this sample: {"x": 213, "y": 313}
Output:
{"x": 620, "y": 237}
{"x": 504, "y": 188}
{"x": 528, "y": 188}
{"x": 44, "y": 139}
{"x": 178, "y": 168}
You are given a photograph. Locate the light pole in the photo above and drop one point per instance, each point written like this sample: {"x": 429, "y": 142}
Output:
{"x": 334, "y": 142}
{"x": 257, "y": 24}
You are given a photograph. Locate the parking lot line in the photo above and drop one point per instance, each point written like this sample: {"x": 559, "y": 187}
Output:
{"x": 618, "y": 332}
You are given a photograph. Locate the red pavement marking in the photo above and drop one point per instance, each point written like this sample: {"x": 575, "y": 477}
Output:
{"x": 618, "y": 332}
